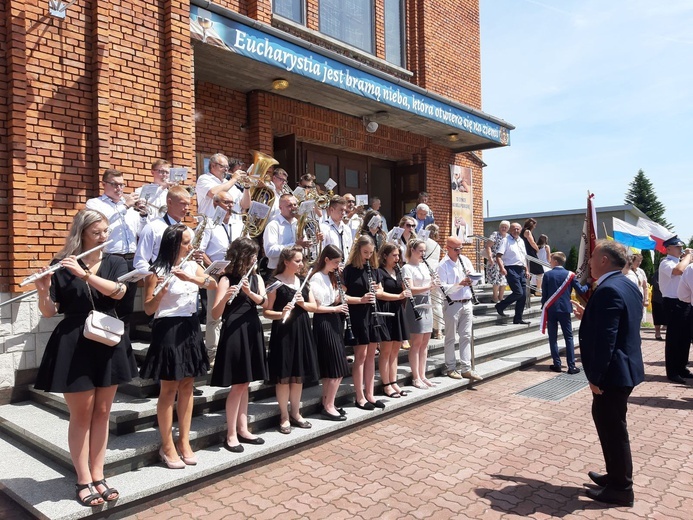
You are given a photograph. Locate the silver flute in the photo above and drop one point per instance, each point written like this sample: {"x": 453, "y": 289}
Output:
{"x": 56, "y": 267}
{"x": 243, "y": 278}
{"x": 293, "y": 300}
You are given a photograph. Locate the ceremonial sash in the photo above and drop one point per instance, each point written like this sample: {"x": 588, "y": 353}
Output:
{"x": 554, "y": 298}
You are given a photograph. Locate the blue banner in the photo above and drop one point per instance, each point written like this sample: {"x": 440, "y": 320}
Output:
{"x": 257, "y": 45}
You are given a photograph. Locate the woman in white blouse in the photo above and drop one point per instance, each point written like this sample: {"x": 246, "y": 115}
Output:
{"x": 328, "y": 329}
{"x": 177, "y": 354}
{"x": 418, "y": 277}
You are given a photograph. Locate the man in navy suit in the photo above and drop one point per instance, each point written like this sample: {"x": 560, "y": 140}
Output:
{"x": 612, "y": 359}
{"x": 556, "y": 286}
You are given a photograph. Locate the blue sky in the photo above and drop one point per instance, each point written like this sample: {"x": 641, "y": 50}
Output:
{"x": 597, "y": 91}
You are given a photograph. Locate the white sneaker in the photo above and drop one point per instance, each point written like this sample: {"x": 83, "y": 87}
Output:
{"x": 472, "y": 375}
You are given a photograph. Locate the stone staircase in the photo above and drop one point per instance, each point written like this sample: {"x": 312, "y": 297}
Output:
{"x": 35, "y": 465}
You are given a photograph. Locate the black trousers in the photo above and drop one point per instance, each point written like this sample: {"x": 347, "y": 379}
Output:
{"x": 678, "y": 337}
{"x": 609, "y": 415}
{"x": 518, "y": 285}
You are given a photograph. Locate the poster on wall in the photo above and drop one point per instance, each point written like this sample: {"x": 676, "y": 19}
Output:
{"x": 462, "y": 214}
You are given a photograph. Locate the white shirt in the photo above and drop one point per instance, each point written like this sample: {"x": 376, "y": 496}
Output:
{"x": 337, "y": 235}
{"x": 323, "y": 292}
{"x": 123, "y": 224}
{"x": 150, "y": 241}
{"x": 668, "y": 284}
{"x": 418, "y": 274}
{"x": 205, "y": 204}
{"x": 513, "y": 251}
{"x": 217, "y": 241}
{"x": 181, "y": 298}
{"x": 279, "y": 233}
{"x": 634, "y": 278}
{"x": 157, "y": 201}
{"x": 354, "y": 224}
{"x": 450, "y": 273}
{"x": 685, "y": 288}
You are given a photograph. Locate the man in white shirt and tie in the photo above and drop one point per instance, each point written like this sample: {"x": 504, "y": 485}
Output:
{"x": 126, "y": 217}
{"x": 178, "y": 203}
{"x": 676, "y": 310}
{"x": 458, "y": 309}
{"x": 512, "y": 263}
{"x": 281, "y": 231}
{"x": 214, "y": 245}
{"x": 335, "y": 231}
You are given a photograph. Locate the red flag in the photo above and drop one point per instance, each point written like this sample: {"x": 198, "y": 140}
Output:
{"x": 587, "y": 242}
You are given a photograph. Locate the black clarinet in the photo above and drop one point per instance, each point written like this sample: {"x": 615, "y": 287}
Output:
{"x": 348, "y": 333}
{"x": 369, "y": 274}
{"x": 434, "y": 275}
{"x": 475, "y": 300}
{"x": 417, "y": 314}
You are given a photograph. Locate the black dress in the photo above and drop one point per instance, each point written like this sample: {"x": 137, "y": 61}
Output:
{"x": 362, "y": 317}
{"x": 291, "y": 356}
{"x": 328, "y": 332}
{"x": 72, "y": 363}
{"x": 534, "y": 267}
{"x": 396, "y": 325}
{"x": 241, "y": 350}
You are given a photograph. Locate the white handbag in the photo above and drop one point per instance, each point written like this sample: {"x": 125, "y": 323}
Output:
{"x": 101, "y": 327}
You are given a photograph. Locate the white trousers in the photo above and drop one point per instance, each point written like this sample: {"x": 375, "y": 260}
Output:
{"x": 458, "y": 322}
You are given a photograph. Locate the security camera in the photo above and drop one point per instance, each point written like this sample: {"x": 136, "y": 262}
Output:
{"x": 371, "y": 126}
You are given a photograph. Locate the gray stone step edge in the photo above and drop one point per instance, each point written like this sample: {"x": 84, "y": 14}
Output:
{"x": 45, "y": 489}
{"x": 129, "y": 414}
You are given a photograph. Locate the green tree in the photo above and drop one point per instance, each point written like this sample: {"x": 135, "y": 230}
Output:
{"x": 641, "y": 194}
{"x": 572, "y": 260}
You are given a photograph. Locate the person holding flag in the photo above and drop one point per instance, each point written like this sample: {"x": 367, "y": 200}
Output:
{"x": 556, "y": 309}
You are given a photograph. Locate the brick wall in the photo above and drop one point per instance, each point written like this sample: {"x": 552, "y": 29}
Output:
{"x": 4, "y": 157}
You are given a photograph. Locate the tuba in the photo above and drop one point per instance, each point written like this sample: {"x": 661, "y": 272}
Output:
{"x": 308, "y": 227}
{"x": 262, "y": 194}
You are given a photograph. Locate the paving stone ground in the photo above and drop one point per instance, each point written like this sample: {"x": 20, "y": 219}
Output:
{"x": 481, "y": 453}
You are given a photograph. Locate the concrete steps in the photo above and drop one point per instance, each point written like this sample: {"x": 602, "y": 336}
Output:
{"x": 37, "y": 471}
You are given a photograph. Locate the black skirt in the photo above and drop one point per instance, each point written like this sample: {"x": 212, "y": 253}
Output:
{"x": 177, "y": 350}
{"x": 73, "y": 363}
{"x": 328, "y": 331}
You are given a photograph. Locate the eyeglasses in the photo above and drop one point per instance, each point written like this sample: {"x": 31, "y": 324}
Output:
{"x": 456, "y": 249}
{"x": 115, "y": 184}
{"x": 280, "y": 177}
{"x": 350, "y": 201}
{"x": 221, "y": 167}
{"x": 103, "y": 232}
{"x": 162, "y": 172}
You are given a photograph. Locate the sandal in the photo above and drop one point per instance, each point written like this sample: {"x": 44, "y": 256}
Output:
{"x": 417, "y": 383}
{"x": 393, "y": 395}
{"x": 87, "y": 500}
{"x": 109, "y": 490}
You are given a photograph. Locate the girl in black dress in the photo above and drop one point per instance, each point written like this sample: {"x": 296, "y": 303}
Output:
{"x": 86, "y": 372}
{"x": 368, "y": 328}
{"x": 177, "y": 353}
{"x": 532, "y": 249}
{"x": 328, "y": 328}
{"x": 393, "y": 297}
{"x": 291, "y": 356}
{"x": 241, "y": 348}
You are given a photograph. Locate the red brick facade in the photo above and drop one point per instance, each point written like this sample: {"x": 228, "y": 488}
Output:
{"x": 113, "y": 85}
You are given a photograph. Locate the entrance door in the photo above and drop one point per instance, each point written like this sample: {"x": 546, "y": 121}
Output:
{"x": 380, "y": 185}
{"x": 324, "y": 167}
{"x": 353, "y": 176}
{"x": 411, "y": 180}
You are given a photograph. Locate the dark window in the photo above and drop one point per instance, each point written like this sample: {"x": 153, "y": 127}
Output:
{"x": 348, "y": 21}
{"x": 291, "y": 9}
{"x": 394, "y": 31}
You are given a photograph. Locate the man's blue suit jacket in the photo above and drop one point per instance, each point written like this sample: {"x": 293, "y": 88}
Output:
{"x": 610, "y": 334}
{"x": 550, "y": 283}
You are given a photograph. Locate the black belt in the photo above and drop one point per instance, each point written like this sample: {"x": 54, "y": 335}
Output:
{"x": 515, "y": 267}
{"x": 127, "y": 256}
{"x": 461, "y": 301}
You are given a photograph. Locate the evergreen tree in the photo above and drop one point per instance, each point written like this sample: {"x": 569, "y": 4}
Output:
{"x": 641, "y": 194}
{"x": 572, "y": 260}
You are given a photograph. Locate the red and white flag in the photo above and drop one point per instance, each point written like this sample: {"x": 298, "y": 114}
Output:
{"x": 587, "y": 242}
{"x": 657, "y": 232}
